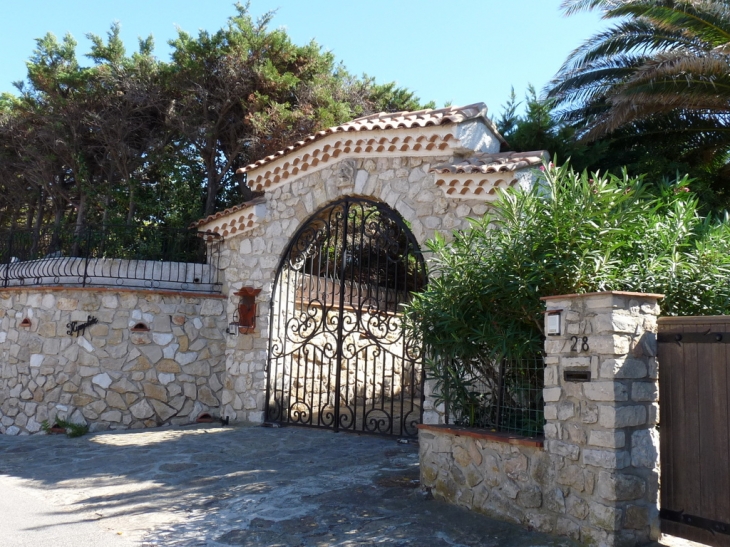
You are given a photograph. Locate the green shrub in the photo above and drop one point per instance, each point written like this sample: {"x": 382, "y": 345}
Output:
{"x": 72, "y": 429}
{"x": 570, "y": 233}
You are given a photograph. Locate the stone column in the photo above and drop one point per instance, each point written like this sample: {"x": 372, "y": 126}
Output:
{"x": 601, "y": 410}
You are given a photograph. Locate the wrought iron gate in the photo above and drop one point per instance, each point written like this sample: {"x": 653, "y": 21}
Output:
{"x": 338, "y": 354}
{"x": 694, "y": 390}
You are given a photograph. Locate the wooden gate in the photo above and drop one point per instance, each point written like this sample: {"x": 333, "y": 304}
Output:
{"x": 694, "y": 388}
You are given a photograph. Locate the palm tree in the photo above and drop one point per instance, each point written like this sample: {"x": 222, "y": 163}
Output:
{"x": 661, "y": 74}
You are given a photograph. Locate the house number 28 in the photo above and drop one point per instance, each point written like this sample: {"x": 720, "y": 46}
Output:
{"x": 583, "y": 345}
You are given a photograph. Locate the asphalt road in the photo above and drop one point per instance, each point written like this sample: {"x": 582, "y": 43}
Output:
{"x": 29, "y": 520}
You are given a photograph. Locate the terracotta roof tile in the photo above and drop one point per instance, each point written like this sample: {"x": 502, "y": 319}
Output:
{"x": 494, "y": 163}
{"x": 235, "y": 208}
{"x": 387, "y": 120}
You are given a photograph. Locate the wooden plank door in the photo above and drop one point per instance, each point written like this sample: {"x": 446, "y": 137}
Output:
{"x": 694, "y": 388}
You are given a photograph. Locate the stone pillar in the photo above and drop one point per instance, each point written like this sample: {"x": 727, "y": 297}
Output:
{"x": 601, "y": 410}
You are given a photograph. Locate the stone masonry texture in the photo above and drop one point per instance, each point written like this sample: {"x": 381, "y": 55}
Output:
{"x": 167, "y": 370}
{"x": 251, "y": 258}
{"x": 597, "y": 478}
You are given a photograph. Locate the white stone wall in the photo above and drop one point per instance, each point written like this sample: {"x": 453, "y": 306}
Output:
{"x": 252, "y": 257}
{"x": 110, "y": 377}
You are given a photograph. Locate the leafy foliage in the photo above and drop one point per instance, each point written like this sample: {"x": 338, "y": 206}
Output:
{"x": 655, "y": 84}
{"x": 570, "y": 233}
{"x": 634, "y": 149}
{"x": 72, "y": 429}
{"x": 537, "y": 128}
{"x": 133, "y": 139}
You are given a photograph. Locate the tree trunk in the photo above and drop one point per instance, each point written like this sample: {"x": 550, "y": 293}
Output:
{"x": 30, "y": 216}
{"x": 37, "y": 226}
{"x": 105, "y": 213}
{"x": 132, "y": 205}
{"x": 79, "y": 228}
{"x": 213, "y": 187}
{"x": 58, "y": 206}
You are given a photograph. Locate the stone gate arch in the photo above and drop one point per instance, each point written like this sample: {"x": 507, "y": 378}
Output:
{"x": 435, "y": 167}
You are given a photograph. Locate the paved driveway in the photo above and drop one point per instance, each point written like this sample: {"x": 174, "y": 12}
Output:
{"x": 213, "y": 486}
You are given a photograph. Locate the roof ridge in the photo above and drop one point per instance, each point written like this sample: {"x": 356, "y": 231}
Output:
{"x": 393, "y": 120}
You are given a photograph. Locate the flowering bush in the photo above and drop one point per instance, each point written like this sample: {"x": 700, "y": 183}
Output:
{"x": 570, "y": 233}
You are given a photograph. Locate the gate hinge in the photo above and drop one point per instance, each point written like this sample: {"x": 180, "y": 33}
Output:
{"x": 707, "y": 337}
{"x": 714, "y": 526}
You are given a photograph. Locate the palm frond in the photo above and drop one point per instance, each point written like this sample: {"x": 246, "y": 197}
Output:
{"x": 637, "y": 37}
{"x": 709, "y": 21}
{"x": 697, "y": 130}
{"x": 571, "y": 7}
{"x": 595, "y": 80}
{"x": 665, "y": 61}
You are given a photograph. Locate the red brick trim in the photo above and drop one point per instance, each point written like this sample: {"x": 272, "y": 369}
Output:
{"x": 507, "y": 438}
{"x": 167, "y": 292}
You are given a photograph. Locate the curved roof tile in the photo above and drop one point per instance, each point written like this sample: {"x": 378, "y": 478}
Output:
{"x": 235, "y": 208}
{"x": 386, "y": 120}
{"x": 494, "y": 163}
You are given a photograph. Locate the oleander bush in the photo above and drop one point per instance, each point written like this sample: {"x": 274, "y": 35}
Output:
{"x": 570, "y": 233}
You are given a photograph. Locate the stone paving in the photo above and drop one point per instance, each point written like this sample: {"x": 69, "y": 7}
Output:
{"x": 249, "y": 486}
{"x": 214, "y": 486}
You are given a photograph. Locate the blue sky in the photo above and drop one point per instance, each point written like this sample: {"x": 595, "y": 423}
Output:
{"x": 462, "y": 51}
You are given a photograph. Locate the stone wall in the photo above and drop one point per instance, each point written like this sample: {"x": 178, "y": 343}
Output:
{"x": 250, "y": 258}
{"x": 486, "y": 473}
{"x": 113, "y": 376}
{"x": 597, "y": 478}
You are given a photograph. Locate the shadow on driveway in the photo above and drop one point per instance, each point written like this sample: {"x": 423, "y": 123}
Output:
{"x": 251, "y": 486}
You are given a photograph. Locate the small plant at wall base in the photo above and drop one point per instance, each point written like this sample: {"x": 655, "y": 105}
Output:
{"x": 481, "y": 318}
{"x": 72, "y": 429}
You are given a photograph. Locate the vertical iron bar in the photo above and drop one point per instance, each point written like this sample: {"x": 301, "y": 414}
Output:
{"x": 10, "y": 258}
{"x": 500, "y": 394}
{"x": 267, "y": 369}
{"x": 272, "y": 309}
{"x": 86, "y": 252}
{"x": 447, "y": 402}
{"x": 338, "y": 360}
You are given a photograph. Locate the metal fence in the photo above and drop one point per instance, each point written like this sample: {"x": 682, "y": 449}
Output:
{"x": 506, "y": 397}
{"x": 131, "y": 256}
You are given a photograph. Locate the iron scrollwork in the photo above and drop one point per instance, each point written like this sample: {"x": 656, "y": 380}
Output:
{"x": 338, "y": 355}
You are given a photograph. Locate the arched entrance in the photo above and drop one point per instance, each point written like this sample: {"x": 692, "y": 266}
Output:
{"x": 338, "y": 355}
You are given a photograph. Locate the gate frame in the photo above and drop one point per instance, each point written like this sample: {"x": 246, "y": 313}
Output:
{"x": 394, "y": 215}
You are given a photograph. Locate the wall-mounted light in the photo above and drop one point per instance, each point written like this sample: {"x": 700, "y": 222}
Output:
{"x": 233, "y": 325}
{"x": 244, "y": 317}
{"x": 553, "y": 323}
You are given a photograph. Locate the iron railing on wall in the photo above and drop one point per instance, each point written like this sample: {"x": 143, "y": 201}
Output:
{"x": 505, "y": 397}
{"x": 111, "y": 255}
